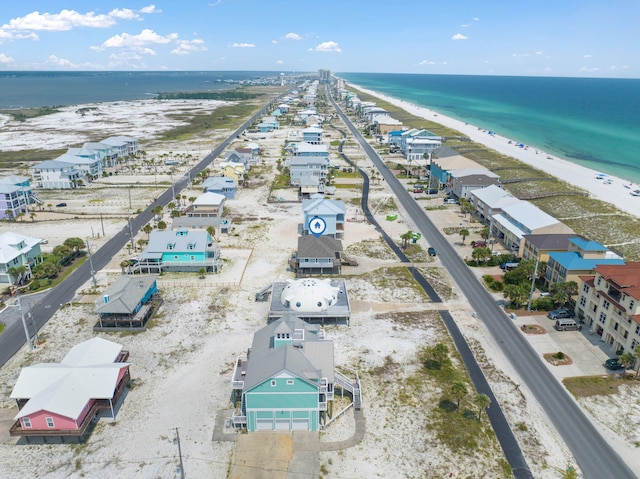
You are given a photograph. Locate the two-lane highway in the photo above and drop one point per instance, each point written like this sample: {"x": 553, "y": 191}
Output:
{"x": 594, "y": 454}
{"x": 13, "y": 338}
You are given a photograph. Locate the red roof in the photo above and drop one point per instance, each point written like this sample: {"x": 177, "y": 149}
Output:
{"x": 625, "y": 277}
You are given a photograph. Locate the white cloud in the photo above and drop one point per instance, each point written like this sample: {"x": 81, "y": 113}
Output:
{"x": 65, "y": 20}
{"x": 63, "y": 62}
{"x": 138, "y": 42}
{"x": 519, "y": 55}
{"x": 242, "y": 45}
{"x": 427, "y": 62}
{"x": 615, "y": 67}
{"x": 215, "y": 5}
{"x": 150, "y": 9}
{"x": 279, "y": 62}
{"x": 588, "y": 55}
{"x": 123, "y": 14}
{"x": 292, "y": 36}
{"x": 329, "y": 46}
{"x": 476, "y": 19}
{"x": 186, "y": 47}
{"x": 459, "y": 36}
{"x": 4, "y": 59}
{"x": 538, "y": 53}
{"x": 588, "y": 69}
{"x": 465, "y": 25}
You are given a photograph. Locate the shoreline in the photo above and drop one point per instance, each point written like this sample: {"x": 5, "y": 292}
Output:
{"x": 617, "y": 192}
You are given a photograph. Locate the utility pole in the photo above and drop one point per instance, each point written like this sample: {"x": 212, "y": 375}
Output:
{"x": 533, "y": 284}
{"x": 102, "y": 224}
{"x": 180, "y": 454}
{"x": 93, "y": 273}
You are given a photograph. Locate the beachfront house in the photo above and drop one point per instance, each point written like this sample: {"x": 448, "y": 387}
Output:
{"x": 419, "y": 144}
{"x": 18, "y": 254}
{"x": 63, "y": 399}
{"x": 222, "y": 185}
{"x": 538, "y": 247}
{"x": 308, "y": 160}
{"x": 387, "y": 124}
{"x": 581, "y": 257}
{"x": 332, "y": 212}
{"x": 106, "y": 153}
{"x": 466, "y": 180}
{"x": 53, "y": 174}
{"x": 520, "y": 219}
{"x": 127, "y": 304}
{"x": 15, "y": 196}
{"x": 441, "y": 168}
{"x": 317, "y": 256}
{"x": 489, "y": 201}
{"x": 180, "y": 250}
{"x": 609, "y": 304}
{"x": 90, "y": 167}
{"x": 285, "y": 382}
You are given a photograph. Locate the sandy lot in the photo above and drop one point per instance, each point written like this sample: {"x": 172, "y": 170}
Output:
{"x": 182, "y": 365}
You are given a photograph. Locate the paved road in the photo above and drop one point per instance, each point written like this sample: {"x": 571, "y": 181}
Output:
{"x": 594, "y": 454}
{"x": 14, "y": 337}
{"x": 503, "y": 431}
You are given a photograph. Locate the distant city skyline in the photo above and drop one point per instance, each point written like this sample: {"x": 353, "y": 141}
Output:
{"x": 572, "y": 38}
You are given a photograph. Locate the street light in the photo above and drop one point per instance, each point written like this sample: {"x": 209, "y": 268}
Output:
{"x": 93, "y": 273}
{"x": 24, "y": 323}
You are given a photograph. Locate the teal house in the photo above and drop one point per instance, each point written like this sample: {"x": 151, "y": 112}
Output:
{"x": 286, "y": 380}
{"x": 181, "y": 250}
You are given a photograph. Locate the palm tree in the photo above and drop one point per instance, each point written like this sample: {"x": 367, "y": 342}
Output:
{"x": 147, "y": 229}
{"x": 162, "y": 225}
{"x": 440, "y": 353}
{"x": 212, "y": 232}
{"x": 464, "y": 232}
{"x": 483, "y": 402}
{"x": 627, "y": 360}
{"x": 124, "y": 264}
{"x": 32, "y": 215}
{"x": 406, "y": 237}
{"x": 636, "y": 355}
{"x": 459, "y": 390}
{"x": 50, "y": 206}
{"x": 481, "y": 254}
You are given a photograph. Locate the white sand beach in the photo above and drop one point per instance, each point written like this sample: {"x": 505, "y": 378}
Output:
{"x": 616, "y": 192}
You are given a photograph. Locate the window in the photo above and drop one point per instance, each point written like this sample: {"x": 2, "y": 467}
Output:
{"x": 606, "y": 304}
{"x": 191, "y": 246}
{"x": 599, "y": 281}
{"x": 634, "y": 343}
{"x": 583, "y": 301}
{"x": 50, "y": 422}
{"x": 289, "y": 382}
{"x": 26, "y": 422}
{"x": 585, "y": 288}
{"x": 602, "y": 318}
{"x": 273, "y": 382}
{"x": 170, "y": 246}
{"x": 638, "y": 329}
{"x": 631, "y": 305}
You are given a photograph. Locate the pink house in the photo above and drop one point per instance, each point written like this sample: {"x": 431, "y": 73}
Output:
{"x": 62, "y": 399}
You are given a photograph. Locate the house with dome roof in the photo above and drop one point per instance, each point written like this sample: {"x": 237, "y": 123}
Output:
{"x": 314, "y": 300}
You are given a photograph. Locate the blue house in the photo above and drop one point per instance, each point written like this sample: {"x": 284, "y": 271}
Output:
{"x": 180, "y": 250}
{"x": 223, "y": 185}
{"x": 286, "y": 380}
{"x": 312, "y": 135}
{"x": 333, "y": 213}
{"x": 15, "y": 196}
{"x": 127, "y": 303}
{"x": 581, "y": 258}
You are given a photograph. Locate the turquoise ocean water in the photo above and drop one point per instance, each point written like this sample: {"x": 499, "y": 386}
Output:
{"x": 590, "y": 121}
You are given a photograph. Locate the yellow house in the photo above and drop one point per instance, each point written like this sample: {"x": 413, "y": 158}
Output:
{"x": 233, "y": 170}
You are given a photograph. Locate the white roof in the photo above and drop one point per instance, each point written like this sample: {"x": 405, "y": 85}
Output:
{"x": 87, "y": 372}
{"x": 530, "y": 216}
{"x": 473, "y": 171}
{"x": 494, "y": 196}
{"x": 309, "y": 294}
{"x": 10, "y": 242}
{"x": 209, "y": 198}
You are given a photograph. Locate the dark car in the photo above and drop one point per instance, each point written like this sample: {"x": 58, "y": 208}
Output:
{"x": 431, "y": 251}
{"x": 478, "y": 244}
{"x": 61, "y": 205}
{"x": 560, "y": 314}
{"x": 613, "y": 364}
{"x": 418, "y": 190}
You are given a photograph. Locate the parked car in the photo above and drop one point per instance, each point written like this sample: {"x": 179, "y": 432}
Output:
{"x": 478, "y": 244}
{"x": 431, "y": 251}
{"x": 567, "y": 324}
{"x": 418, "y": 190}
{"x": 61, "y": 205}
{"x": 450, "y": 201}
{"x": 613, "y": 364}
{"x": 560, "y": 314}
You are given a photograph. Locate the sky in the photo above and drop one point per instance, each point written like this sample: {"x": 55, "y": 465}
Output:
{"x": 569, "y": 38}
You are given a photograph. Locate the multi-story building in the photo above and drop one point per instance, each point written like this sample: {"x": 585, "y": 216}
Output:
{"x": 609, "y": 303}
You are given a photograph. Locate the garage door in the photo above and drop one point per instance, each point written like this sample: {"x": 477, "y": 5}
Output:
{"x": 264, "y": 424}
{"x": 282, "y": 424}
{"x": 301, "y": 424}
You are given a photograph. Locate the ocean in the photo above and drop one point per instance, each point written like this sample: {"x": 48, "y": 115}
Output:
{"x": 36, "y": 89}
{"x": 594, "y": 122}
